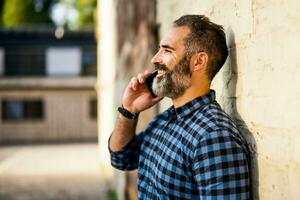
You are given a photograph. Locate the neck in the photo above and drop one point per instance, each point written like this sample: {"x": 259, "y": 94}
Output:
{"x": 191, "y": 93}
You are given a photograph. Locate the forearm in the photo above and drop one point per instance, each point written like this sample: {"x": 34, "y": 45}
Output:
{"x": 136, "y": 99}
{"x": 123, "y": 133}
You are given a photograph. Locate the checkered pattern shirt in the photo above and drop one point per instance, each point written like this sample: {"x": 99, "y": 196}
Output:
{"x": 191, "y": 152}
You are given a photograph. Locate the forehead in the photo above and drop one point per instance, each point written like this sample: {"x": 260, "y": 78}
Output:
{"x": 175, "y": 37}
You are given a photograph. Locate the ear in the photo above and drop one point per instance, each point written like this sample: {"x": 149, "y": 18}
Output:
{"x": 200, "y": 61}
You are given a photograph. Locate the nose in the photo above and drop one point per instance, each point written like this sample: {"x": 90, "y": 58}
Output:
{"x": 156, "y": 59}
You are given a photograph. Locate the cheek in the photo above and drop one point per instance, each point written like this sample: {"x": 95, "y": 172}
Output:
{"x": 170, "y": 61}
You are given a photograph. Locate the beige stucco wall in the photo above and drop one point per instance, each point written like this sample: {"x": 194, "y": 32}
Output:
{"x": 259, "y": 85}
{"x": 125, "y": 46}
{"x": 66, "y": 110}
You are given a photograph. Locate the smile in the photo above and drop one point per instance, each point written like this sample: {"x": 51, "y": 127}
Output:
{"x": 160, "y": 73}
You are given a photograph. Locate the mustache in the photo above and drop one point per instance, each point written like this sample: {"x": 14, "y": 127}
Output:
{"x": 162, "y": 67}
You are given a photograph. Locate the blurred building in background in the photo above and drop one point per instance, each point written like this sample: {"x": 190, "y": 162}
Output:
{"x": 47, "y": 79}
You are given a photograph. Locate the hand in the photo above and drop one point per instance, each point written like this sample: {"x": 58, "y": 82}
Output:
{"x": 137, "y": 97}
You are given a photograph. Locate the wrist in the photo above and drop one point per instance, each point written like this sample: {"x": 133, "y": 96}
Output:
{"x": 127, "y": 113}
{"x": 129, "y": 109}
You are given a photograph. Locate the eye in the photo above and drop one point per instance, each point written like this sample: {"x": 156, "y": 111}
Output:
{"x": 167, "y": 51}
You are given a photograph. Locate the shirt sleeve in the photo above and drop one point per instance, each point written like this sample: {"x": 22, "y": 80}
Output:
{"x": 220, "y": 167}
{"x": 127, "y": 158}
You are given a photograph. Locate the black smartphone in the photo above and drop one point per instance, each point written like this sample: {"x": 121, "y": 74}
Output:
{"x": 149, "y": 82}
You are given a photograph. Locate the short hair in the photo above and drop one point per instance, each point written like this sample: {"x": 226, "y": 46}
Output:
{"x": 205, "y": 36}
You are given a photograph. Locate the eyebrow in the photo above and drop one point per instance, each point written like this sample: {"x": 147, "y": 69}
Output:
{"x": 168, "y": 47}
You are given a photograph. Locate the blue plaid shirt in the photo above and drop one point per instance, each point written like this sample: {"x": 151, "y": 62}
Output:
{"x": 191, "y": 152}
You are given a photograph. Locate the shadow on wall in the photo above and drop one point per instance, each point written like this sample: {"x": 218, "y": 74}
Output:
{"x": 230, "y": 77}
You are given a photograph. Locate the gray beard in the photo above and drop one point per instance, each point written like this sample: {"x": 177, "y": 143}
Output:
{"x": 173, "y": 83}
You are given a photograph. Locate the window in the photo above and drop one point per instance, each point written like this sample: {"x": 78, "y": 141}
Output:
{"x": 89, "y": 62}
{"x": 1, "y": 61}
{"x": 24, "y": 61}
{"x": 17, "y": 110}
{"x": 93, "y": 108}
{"x": 63, "y": 61}
{"x": 53, "y": 61}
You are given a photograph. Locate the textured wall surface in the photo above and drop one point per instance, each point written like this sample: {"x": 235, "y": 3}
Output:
{"x": 126, "y": 45}
{"x": 259, "y": 85}
{"x": 136, "y": 41}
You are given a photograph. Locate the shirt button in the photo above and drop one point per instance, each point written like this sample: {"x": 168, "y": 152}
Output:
{"x": 150, "y": 183}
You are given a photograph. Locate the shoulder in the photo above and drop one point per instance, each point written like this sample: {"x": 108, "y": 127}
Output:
{"x": 210, "y": 124}
{"x": 218, "y": 132}
{"x": 211, "y": 118}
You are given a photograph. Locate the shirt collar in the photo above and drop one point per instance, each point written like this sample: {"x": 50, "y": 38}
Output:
{"x": 191, "y": 106}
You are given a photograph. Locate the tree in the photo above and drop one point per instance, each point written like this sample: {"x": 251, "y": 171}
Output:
{"x": 86, "y": 9}
{"x": 15, "y": 13}
{"x": 74, "y": 14}
{"x": 1, "y": 10}
{"x": 25, "y": 12}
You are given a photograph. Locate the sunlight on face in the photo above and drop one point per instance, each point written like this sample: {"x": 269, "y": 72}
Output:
{"x": 173, "y": 83}
{"x": 174, "y": 75}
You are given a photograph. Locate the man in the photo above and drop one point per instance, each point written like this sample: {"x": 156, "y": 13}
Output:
{"x": 193, "y": 150}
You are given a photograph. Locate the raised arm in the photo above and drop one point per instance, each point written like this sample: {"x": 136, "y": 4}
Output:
{"x": 136, "y": 99}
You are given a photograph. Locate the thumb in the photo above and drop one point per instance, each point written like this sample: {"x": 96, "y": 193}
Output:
{"x": 157, "y": 99}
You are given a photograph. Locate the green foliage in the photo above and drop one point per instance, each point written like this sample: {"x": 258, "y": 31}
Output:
{"x": 1, "y": 10}
{"x": 25, "y": 12}
{"x": 86, "y": 9}
{"x": 15, "y": 13}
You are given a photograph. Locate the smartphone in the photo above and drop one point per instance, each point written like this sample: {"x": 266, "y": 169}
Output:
{"x": 149, "y": 82}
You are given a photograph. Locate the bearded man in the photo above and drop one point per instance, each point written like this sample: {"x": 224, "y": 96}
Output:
{"x": 193, "y": 150}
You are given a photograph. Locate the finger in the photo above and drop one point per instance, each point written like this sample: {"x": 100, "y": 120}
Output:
{"x": 134, "y": 83}
{"x": 147, "y": 73}
{"x": 141, "y": 78}
{"x": 157, "y": 99}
